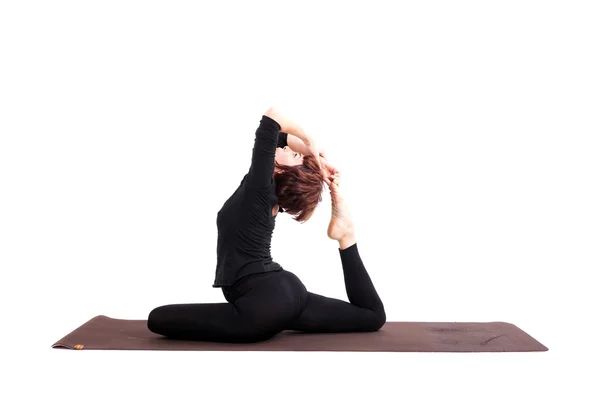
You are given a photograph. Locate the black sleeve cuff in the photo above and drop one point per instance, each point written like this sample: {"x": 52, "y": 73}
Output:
{"x": 282, "y": 140}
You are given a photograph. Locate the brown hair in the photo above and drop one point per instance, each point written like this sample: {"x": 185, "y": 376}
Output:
{"x": 299, "y": 188}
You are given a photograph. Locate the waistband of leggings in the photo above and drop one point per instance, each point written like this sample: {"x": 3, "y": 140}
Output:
{"x": 246, "y": 281}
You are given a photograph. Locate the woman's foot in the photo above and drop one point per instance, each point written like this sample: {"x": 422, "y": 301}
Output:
{"x": 341, "y": 227}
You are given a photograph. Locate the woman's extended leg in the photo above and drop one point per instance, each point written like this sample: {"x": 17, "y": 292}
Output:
{"x": 364, "y": 313}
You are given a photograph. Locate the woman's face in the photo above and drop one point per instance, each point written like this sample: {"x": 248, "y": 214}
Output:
{"x": 286, "y": 156}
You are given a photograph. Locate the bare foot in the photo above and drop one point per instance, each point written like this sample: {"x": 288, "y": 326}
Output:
{"x": 341, "y": 227}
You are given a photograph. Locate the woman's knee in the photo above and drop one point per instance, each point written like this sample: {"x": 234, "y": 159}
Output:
{"x": 378, "y": 320}
{"x": 157, "y": 319}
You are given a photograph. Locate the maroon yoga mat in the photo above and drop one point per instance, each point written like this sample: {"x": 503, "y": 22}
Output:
{"x": 104, "y": 333}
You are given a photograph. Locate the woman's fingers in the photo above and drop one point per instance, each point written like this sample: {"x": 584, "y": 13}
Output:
{"x": 318, "y": 159}
{"x": 331, "y": 170}
{"x": 311, "y": 147}
{"x": 334, "y": 182}
{"x": 328, "y": 171}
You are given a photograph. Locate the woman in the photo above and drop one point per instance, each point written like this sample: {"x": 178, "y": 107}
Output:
{"x": 263, "y": 299}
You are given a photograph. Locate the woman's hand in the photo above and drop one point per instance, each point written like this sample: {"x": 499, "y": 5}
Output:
{"x": 311, "y": 149}
{"x": 329, "y": 169}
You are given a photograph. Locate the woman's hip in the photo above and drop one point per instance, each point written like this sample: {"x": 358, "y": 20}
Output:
{"x": 278, "y": 291}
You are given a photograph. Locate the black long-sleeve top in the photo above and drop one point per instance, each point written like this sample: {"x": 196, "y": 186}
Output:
{"x": 245, "y": 223}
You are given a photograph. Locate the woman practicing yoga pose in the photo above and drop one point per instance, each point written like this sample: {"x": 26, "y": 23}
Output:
{"x": 287, "y": 172}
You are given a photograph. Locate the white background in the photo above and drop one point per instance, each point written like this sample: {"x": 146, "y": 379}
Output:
{"x": 466, "y": 133}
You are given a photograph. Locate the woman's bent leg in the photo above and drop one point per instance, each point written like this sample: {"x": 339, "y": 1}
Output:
{"x": 364, "y": 312}
{"x": 217, "y": 322}
{"x": 259, "y": 308}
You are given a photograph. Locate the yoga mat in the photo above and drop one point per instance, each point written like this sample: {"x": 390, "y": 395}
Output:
{"x": 104, "y": 333}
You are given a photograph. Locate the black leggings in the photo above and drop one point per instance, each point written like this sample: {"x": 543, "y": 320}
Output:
{"x": 260, "y": 306}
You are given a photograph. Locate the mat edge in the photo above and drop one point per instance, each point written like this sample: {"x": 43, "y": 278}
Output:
{"x": 545, "y": 348}
{"x": 60, "y": 343}
{"x": 62, "y": 346}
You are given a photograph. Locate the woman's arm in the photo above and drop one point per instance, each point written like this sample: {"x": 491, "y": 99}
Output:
{"x": 296, "y": 144}
{"x": 294, "y": 131}
{"x": 288, "y": 126}
{"x": 292, "y": 128}
{"x": 263, "y": 154}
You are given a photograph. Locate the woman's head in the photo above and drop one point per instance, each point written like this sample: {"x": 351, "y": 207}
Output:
{"x": 298, "y": 182}
{"x": 286, "y": 156}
